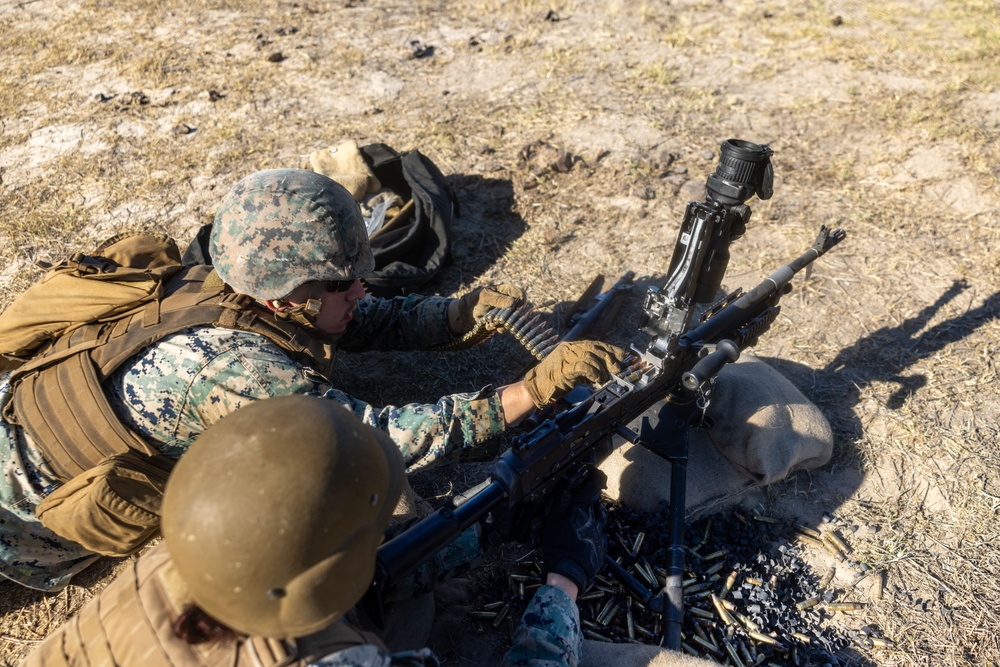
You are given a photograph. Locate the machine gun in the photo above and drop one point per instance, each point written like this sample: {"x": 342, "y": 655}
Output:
{"x": 685, "y": 342}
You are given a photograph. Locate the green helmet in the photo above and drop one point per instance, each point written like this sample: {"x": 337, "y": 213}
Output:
{"x": 281, "y": 228}
{"x": 274, "y": 515}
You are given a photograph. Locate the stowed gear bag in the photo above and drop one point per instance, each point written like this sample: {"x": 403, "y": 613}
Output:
{"x": 413, "y": 245}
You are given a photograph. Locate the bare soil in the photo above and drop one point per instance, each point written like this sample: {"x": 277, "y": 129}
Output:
{"x": 883, "y": 117}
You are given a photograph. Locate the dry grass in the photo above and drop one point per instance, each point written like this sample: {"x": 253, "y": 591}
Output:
{"x": 883, "y": 118}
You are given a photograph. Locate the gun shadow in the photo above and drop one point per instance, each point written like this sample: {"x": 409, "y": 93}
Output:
{"x": 884, "y": 356}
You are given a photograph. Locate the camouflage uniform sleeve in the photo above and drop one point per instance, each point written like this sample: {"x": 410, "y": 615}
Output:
{"x": 549, "y": 634}
{"x": 173, "y": 390}
{"x": 452, "y": 560}
{"x": 412, "y": 322}
{"x": 369, "y": 655}
{"x": 426, "y": 433}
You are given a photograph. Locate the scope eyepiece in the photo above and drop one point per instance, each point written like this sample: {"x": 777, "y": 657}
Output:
{"x": 744, "y": 170}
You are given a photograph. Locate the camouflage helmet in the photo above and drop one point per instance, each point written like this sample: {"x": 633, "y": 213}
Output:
{"x": 273, "y": 517}
{"x": 281, "y": 228}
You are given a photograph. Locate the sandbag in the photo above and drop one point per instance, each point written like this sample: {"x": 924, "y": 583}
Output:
{"x": 764, "y": 430}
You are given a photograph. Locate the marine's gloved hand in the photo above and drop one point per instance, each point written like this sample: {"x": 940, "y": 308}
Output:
{"x": 569, "y": 364}
{"x": 481, "y": 300}
{"x": 574, "y": 542}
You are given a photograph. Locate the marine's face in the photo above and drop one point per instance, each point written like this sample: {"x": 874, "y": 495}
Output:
{"x": 338, "y": 306}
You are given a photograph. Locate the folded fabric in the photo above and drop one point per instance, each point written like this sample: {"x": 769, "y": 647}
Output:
{"x": 344, "y": 164}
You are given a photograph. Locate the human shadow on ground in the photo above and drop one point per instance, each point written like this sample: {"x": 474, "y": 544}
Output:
{"x": 884, "y": 356}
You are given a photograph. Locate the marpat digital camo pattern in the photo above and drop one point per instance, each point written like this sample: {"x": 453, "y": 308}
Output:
{"x": 178, "y": 387}
{"x": 549, "y": 636}
{"x": 281, "y": 228}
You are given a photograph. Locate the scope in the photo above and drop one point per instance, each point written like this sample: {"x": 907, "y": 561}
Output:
{"x": 744, "y": 171}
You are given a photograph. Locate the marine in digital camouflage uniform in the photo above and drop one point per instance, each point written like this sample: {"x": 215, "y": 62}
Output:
{"x": 295, "y": 241}
{"x": 272, "y": 586}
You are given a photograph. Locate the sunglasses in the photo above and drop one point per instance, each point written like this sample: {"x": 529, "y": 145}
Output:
{"x": 338, "y": 285}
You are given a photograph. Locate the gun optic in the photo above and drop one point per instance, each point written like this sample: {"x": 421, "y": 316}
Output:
{"x": 744, "y": 171}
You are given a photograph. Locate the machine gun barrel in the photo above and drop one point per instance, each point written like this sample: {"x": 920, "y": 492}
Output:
{"x": 750, "y": 304}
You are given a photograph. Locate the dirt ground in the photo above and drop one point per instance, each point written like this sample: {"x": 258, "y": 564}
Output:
{"x": 884, "y": 119}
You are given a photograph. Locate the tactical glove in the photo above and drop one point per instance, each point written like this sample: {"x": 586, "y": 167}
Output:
{"x": 569, "y": 364}
{"x": 574, "y": 543}
{"x": 481, "y": 300}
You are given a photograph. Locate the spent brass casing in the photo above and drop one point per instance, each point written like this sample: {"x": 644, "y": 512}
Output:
{"x": 723, "y": 613}
{"x": 638, "y": 543}
{"x": 838, "y": 542}
{"x": 590, "y": 634}
{"x": 764, "y": 639}
{"x": 747, "y": 623}
{"x": 733, "y": 655}
{"x": 828, "y": 577}
{"x": 845, "y": 607}
{"x": 501, "y": 615}
{"x": 707, "y": 645}
{"x": 702, "y": 613}
{"x": 715, "y": 568}
{"x": 806, "y": 530}
{"x": 728, "y": 586}
{"x": 808, "y": 603}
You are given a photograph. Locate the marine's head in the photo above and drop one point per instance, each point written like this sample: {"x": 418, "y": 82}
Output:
{"x": 288, "y": 237}
{"x": 274, "y": 515}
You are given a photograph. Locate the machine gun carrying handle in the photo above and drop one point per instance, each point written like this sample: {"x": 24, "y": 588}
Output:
{"x": 726, "y": 352}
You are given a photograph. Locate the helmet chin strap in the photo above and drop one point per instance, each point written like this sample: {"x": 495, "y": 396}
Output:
{"x": 305, "y": 314}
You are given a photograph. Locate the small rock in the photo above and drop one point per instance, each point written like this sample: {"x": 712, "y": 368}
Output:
{"x": 276, "y": 57}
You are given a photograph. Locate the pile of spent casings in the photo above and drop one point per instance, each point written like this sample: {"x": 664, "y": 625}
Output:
{"x": 750, "y": 598}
